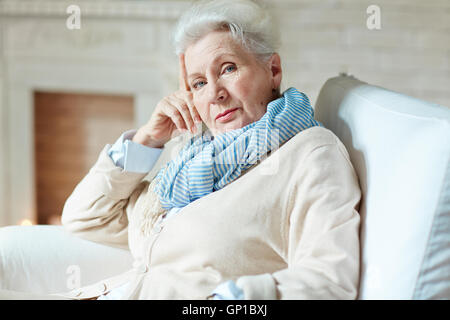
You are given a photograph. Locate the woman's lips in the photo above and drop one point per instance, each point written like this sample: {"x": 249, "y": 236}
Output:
{"x": 226, "y": 116}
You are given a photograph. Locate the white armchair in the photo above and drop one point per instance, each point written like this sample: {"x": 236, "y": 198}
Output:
{"x": 400, "y": 148}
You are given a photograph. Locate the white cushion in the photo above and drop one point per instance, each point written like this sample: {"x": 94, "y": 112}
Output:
{"x": 47, "y": 259}
{"x": 400, "y": 148}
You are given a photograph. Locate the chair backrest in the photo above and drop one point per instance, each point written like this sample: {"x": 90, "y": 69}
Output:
{"x": 400, "y": 148}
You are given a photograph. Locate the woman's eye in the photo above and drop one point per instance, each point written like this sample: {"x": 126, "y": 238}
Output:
{"x": 230, "y": 68}
{"x": 199, "y": 84}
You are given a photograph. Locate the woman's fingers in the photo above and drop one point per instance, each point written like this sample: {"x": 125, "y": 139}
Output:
{"x": 176, "y": 110}
{"x": 195, "y": 114}
{"x": 185, "y": 92}
{"x": 182, "y": 107}
{"x": 184, "y": 85}
{"x": 176, "y": 117}
{"x": 187, "y": 96}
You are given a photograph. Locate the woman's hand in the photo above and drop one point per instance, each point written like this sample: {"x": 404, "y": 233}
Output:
{"x": 174, "y": 114}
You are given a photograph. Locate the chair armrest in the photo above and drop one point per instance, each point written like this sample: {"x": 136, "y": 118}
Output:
{"x": 48, "y": 259}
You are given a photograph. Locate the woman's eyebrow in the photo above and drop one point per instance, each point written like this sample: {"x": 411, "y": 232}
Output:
{"x": 193, "y": 75}
{"x": 225, "y": 55}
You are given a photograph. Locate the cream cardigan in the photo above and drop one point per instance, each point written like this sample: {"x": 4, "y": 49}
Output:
{"x": 286, "y": 229}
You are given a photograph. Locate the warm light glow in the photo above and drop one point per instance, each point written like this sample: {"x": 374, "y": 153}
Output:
{"x": 26, "y": 222}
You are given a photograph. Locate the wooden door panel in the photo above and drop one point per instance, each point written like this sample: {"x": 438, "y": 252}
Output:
{"x": 70, "y": 130}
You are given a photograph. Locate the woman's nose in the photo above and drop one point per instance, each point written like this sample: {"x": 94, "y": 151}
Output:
{"x": 217, "y": 93}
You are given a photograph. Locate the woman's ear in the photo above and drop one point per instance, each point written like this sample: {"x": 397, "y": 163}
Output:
{"x": 275, "y": 70}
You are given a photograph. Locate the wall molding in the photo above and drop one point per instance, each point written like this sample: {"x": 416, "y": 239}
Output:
{"x": 99, "y": 8}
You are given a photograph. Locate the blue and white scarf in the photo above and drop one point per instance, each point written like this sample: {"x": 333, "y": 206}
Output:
{"x": 207, "y": 163}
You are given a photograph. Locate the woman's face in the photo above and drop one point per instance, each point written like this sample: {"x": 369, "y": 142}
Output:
{"x": 230, "y": 87}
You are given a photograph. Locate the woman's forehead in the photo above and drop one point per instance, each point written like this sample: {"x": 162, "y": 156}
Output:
{"x": 211, "y": 49}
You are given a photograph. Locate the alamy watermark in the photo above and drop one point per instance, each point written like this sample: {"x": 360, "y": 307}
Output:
{"x": 74, "y": 20}
{"x": 373, "y": 21}
{"x": 74, "y": 277}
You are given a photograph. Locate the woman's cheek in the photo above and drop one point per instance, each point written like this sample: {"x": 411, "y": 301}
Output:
{"x": 249, "y": 94}
{"x": 242, "y": 89}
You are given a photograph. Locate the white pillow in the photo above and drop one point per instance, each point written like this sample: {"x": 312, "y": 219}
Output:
{"x": 400, "y": 148}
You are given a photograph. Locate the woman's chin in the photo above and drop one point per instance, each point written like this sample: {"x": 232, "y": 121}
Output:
{"x": 229, "y": 126}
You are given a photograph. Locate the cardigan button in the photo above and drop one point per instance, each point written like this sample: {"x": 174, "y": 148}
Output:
{"x": 142, "y": 268}
{"x": 158, "y": 228}
{"x": 102, "y": 287}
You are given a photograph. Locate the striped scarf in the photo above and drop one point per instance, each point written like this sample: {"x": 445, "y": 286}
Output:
{"x": 208, "y": 163}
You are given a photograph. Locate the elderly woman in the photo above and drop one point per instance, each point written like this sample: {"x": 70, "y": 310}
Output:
{"x": 261, "y": 205}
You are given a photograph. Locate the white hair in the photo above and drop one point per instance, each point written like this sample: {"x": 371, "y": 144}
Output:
{"x": 249, "y": 23}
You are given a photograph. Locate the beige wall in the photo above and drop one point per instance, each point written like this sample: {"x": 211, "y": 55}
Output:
{"x": 123, "y": 47}
{"x": 409, "y": 54}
